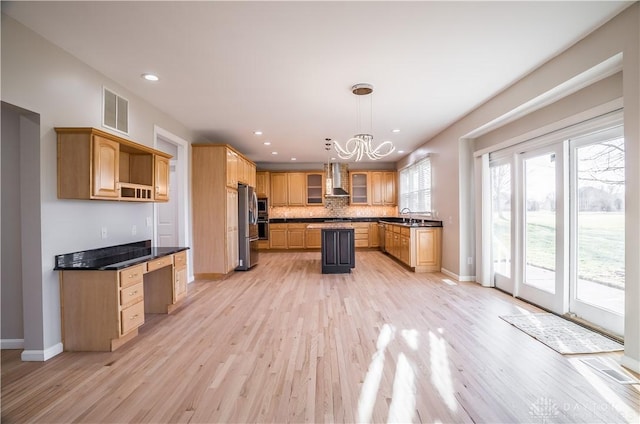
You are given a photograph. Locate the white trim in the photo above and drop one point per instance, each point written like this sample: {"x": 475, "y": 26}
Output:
{"x": 458, "y": 277}
{"x": 590, "y": 76}
{"x": 183, "y": 168}
{"x": 42, "y": 355}
{"x": 631, "y": 363}
{"x": 556, "y": 128}
{"x": 11, "y": 344}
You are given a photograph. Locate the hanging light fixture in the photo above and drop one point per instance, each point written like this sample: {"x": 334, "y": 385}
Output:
{"x": 361, "y": 144}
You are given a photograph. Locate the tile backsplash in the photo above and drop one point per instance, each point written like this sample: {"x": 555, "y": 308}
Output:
{"x": 333, "y": 207}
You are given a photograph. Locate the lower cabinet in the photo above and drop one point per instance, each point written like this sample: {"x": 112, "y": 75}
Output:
{"x": 420, "y": 248}
{"x": 338, "y": 251}
{"x": 313, "y": 238}
{"x": 278, "y": 236}
{"x": 295, "y": 236}
{"x": 102, "y": 310}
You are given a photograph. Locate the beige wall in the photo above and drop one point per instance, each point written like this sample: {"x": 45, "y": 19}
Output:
{"x": 453, "y": 170}
{"x": 40, "y": 77}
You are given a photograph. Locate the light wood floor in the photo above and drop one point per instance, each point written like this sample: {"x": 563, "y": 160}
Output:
{"x": 284, "y": 343}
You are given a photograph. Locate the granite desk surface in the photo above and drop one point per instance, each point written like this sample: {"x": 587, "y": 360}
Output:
{"x": 331, "y": 226}
{"x": 113, "y": 258}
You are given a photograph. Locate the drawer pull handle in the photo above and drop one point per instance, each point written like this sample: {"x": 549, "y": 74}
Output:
{"x": 134, "y": 317}
{"x": 133, "y": 275}
{"x": 133, "y": 293}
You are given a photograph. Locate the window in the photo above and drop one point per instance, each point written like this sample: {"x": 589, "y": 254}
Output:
{"x": 415, "y": 186}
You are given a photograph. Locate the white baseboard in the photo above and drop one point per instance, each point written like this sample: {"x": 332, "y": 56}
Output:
{"x": 11, "y": 344}
{"x": 458, "y": 277}
{"x": 632, "y": 364}
{"x": 41, "y": 355}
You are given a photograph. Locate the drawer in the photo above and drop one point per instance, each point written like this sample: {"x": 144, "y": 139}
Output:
{"x": 132, "y": 317}
{"x": 362, "y": 243}
{"x": 180, "y": 260}
{"x": 361, "y": 236}
{"x": 159, "y": 263}
{"x": 405, "y": 231}
{"x": 132, "y": 294}
{"x": 396, "y": 228}
{"x": 132, "y": 275}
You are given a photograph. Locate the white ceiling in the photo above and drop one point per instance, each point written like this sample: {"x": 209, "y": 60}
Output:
{"x": 286, "y": 68}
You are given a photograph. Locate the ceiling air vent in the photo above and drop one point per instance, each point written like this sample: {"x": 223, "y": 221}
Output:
{"x": 115, "y": 111}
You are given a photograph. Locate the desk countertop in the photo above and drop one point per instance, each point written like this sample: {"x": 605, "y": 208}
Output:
{"x": 113, "y": 258}
{"x": 331, "y": 226}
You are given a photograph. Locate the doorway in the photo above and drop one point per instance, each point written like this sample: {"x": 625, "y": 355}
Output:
{"x": 556, "y": 208}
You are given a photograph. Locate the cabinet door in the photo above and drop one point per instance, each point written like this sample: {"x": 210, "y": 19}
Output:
{"x": 312, "y": 238}
{"x": 377, "y": 189}
{"x": 278, "y": 236}
{"x": 262, "y": 184}
{"x": 232, "y": 230}
{"x": 389, "y": 179}
{"x": 297, "y": 189}
{"x": 359, "y": 188}
{"x": 404, "y": 249}
{"x": 315, "y": 188}
{"x": 161, "y": 166}
{"x": 179, "y": 284}
{"x": 374, "y": 235}
{"x": 279, "y": 189}
{"x": 295, "y": 236}
{"x": 427, "y": 248}
{"x": 232, "y": 169}
{"x": 106, "y": 165}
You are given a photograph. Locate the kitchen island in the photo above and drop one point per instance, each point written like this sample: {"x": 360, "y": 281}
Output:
{"x": 337, "y": 247}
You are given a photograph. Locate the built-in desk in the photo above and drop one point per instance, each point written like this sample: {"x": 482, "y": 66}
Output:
{"x": 105, "y": 293}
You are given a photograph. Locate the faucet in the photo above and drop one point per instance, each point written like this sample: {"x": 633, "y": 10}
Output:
{"x": 402, "y": 213}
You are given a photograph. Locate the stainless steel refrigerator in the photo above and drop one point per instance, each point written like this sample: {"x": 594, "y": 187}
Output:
{"x": 247, "y": 227}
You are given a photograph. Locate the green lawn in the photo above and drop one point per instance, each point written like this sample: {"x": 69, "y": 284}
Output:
{"x": 601, "y": 244}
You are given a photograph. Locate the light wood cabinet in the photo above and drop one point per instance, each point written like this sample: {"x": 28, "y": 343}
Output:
{"x": 361, "y": 234}
{"x": 215, "y": 210}
{"x": 297, "y": 188}
{"x": 106, "y": 166}
{"x": 359, "y": 188}
{"x": 232, "y": 241}
{"x": 161, "y": 166}
{"x": 93, "y": 164}
{"x": 263, "y": 183}
{"x": 246, "y": 172}
{"x": 102, "y": 310}
{"x": 231, "y": 168}
{"x": 288, "y": 189}
{"x": 374, "y": 234}
{"x": 313, "y": 238}
{"x": 315, "y": 188}
{"x": 417, "y": 247}
{"x": 383, "y": 188}
{"x": 279, "y": 189}
{"x": 277, "y": 236}
{"x": 295, "y": 236}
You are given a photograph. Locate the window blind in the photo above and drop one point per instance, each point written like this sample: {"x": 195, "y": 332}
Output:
{"x": 415, "y": 186}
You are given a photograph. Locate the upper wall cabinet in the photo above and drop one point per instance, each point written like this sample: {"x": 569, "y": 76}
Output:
{"x": 93, "y": 164}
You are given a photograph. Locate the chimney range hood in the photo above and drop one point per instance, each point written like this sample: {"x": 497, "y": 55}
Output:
{"x": 337, "y": 189}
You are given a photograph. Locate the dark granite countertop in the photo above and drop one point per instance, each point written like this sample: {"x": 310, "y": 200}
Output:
{"x": 389, "y": 219}
{"x": 113, "y": 258}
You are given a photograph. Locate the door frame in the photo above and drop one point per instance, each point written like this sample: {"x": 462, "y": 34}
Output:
{"x": 182, "y": 187}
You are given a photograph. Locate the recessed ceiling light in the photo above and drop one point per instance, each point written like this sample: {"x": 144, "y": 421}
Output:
{"x": 274, "y": 153}
{"x": 395, "y": 130}
{"x": 258, "y": 132}
{"x": 400, "y": 151}
{"x": 150, "y": 77}
{"x": 267, "y": 143}
{"x": 333, "y": 158}
{"x": 294, "y": 158}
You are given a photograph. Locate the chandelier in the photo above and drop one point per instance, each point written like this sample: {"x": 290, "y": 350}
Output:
{"x": 362, "y": 144}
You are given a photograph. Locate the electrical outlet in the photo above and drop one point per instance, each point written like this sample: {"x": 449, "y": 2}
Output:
{"x": 134, "y": 230}
{"x": 469, "y": 260}
{"x": 103, "y": 232}
{"x": 148, "y": 221}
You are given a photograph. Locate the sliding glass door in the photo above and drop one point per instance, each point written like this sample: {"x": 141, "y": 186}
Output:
{"x": 557, "y": 224}
{"x": 541, "y": 232}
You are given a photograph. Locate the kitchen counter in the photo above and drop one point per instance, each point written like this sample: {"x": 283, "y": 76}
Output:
{"x": 385, "y": 219}
{"x": 113, "y": 258}
{"x": 331, "y": 225}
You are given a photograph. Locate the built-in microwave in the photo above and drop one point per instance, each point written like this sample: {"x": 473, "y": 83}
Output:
{"x": 263, "y": 206}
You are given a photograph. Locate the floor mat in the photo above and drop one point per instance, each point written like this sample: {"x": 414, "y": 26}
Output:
{"x": 562, "y": 335}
